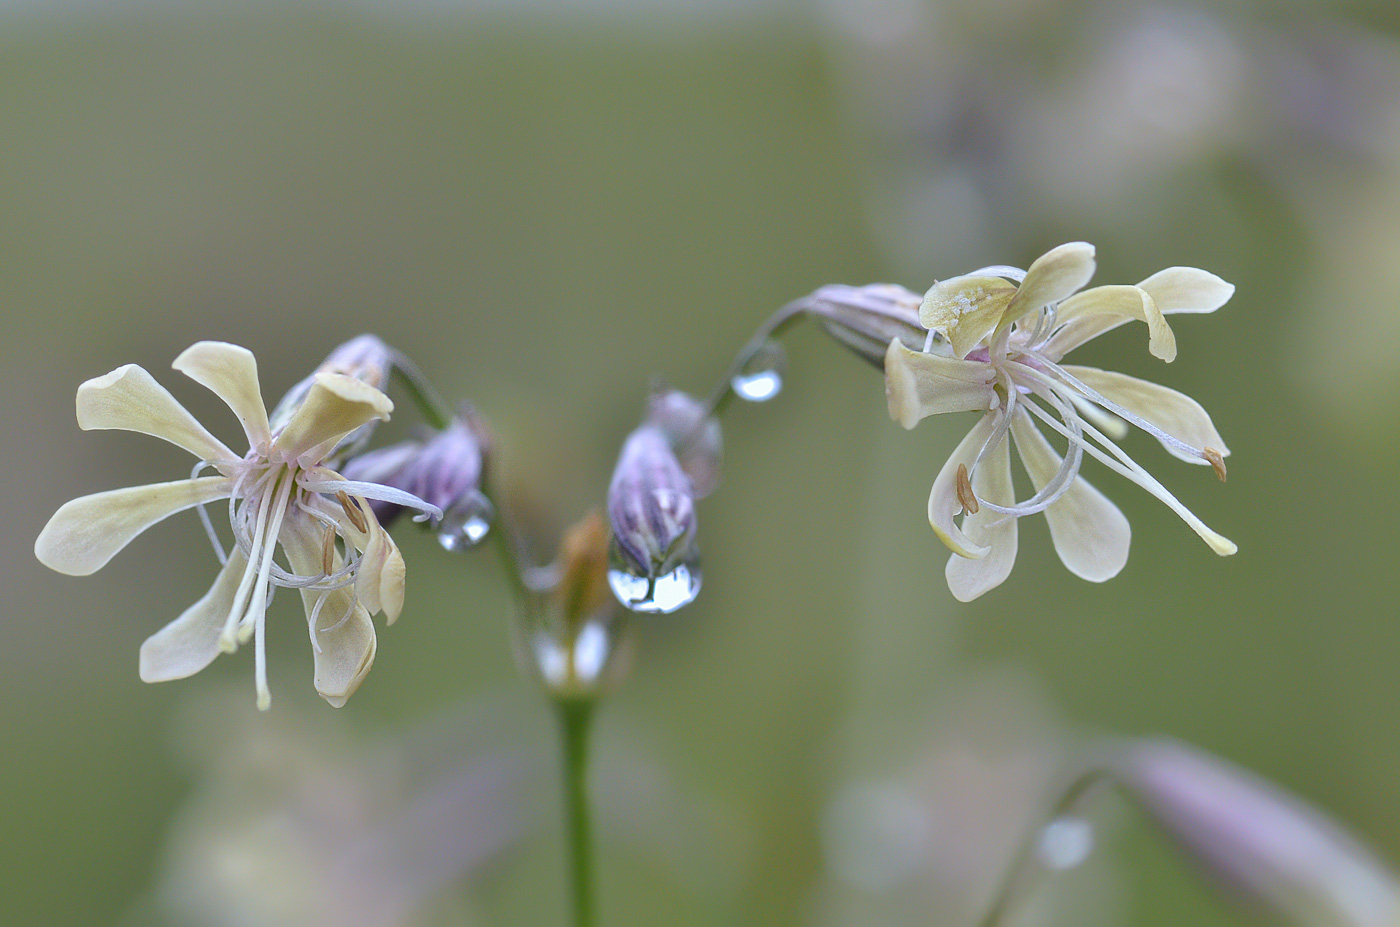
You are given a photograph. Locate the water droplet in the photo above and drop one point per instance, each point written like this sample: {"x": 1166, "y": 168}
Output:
{"x": 1065, "y": 843}
{"x": 466, "y": 523}
{"x": 661, "y": 596}
{"x": 761, "y": 376}
{"x": 582, "y": 664}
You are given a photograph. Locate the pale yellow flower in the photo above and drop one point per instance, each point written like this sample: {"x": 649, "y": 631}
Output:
{"x": 281, "y": 491}
{"x": 996, "y": 339}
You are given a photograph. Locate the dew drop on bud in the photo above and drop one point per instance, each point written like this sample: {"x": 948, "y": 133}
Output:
{"x": 761, "y": 376}
{"x": 466, "y": 524}
{"x": 1065, "y": 843}
{"x": 665, "y": 594}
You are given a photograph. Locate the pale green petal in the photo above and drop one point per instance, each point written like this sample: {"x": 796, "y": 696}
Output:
{"x": 966, "y": 309}
{"x": 191, "y": 642}
{"x": 1187, "y": 289}
{"x": 1089, "y": 532}
{"x": 1053, "y": 277}
{"x": 86, "y": 533}
{"x": 335, "y": 406}
{"x": 1175, "y": 413}
{"x": 379, "y": 581}
{"x": 918, "y": 385}
{"x": 943, "y": 502}
{"x": 991, "y": 482}
{"x": 232, "y": 373}
{"x": 345, "y": 653}
{"x": 129, "y": 399}
{"x": 1128, "y": 302}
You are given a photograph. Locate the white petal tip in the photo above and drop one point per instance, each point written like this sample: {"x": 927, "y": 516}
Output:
{"x": 264, "y": 701}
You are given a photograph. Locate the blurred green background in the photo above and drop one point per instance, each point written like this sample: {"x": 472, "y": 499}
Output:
{"x": 548, "y": 206}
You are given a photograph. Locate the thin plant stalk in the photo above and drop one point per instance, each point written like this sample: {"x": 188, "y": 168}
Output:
{"x": 575, "y": 722}
{"x": 1024, "y": 870}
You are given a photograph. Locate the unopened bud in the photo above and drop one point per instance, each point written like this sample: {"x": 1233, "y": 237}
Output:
{"x": 366, "y": 358}
{"x": 572, "y": 636}
{"x": 445, "y": 471}
{"x": 1258, "y": 839}
{"x": 867, "y": 318}
{"x": 693, "y": 434}
{"x": 651, "y": 502}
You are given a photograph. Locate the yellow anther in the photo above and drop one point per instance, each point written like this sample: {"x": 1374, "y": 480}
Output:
{"x": 1217, "y": 461}
{"x": 352, "y": 512}
{"x": 965, "y": 493}
{"x": 328, "y": 551}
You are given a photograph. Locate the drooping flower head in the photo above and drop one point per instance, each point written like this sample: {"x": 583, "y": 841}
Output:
{"x": 282, "y": 492}
{"x": 995, "y": 342}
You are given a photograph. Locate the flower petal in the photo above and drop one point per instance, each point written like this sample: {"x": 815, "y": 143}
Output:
{"x": 1127, "y": 302}
{"x": 991, "y": 481}
{"x": 379, "y": 582}
{"x": 129, "y": 399}
{"x": 966, "y": 309}
{"x": 335, "y": 406}
{"x": 343, "y": 638}
{"x": 232, "y": 373}
{"x": 918, "y": 385}
{"x": 1090, "y": 534}
{"x": 1187, "y": 289}
{"x": 943, "y": 502}
{"x": 1175, "y": 413}
{"x": 1052, "y": 277}
{"x": 191, "y": 642}
{"x": 86, "y": 533}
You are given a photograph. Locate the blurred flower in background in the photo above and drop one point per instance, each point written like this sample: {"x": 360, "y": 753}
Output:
{"x": 297, "y": 823}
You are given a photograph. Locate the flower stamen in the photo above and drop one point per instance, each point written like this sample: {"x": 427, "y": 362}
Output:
{"x": 1217, "y": 461}
{"x": 965, "y": 494}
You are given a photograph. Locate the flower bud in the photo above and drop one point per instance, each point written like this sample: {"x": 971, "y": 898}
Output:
{"x": 445, "y": 470}
{"x": 572, "y": 636}
{"x": 651, "y": 503}
{"x": 867, "y": 318}
{"x": 366, "y": 358}
{"x": 1258, "y": 839}
{"x": 693, "y": 435}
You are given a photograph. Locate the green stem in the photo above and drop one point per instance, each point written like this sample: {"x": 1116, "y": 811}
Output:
{"x": 430, "y": 404}
{"x": 769, "y": 329}
{"x": 575, "y": 721}
{"x": 1018, "y": 877}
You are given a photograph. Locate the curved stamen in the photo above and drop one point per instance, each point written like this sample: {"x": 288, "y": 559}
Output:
{"x": 1125, "y": 414}
{"x": 204, "y": 518}
{"x": 372, "y": 491}
{"x": 1064, "y": 477}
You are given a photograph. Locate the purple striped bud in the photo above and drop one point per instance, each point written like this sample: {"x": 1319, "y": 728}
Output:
{"x": 1259, "y": 840}
{"x": 867, "y": 318}
{"x": 651, "y": 503}
{"x": 693, "y": 435}
{"x": 444, "y": 470}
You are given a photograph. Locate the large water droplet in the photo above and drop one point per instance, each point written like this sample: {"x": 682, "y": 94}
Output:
{"x": 761, "y": 376}
{"x": 1065, "y": 843}
{"x": 661, "y": 596}
{"x": 466, "y": 523}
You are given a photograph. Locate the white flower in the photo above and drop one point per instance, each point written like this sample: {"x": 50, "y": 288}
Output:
{"x": 280, "y": 492}
{"x": 996, "y": 338}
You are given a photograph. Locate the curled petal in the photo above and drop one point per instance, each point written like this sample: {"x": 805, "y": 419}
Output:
{"x": 1052, "y": 277}
{"x": 335, "y": 406}
{"x": 342, "y": 637}
{"x": 129, "y": 399}
{"x": 231, "y": 373}
{"x": 943, "y": 502}
{"x": 918, "y": 385}
{"x": 966, "y": 309}
{"x": 86, "y": 533}
{"x": 1175, "y": 413}
{"x": 991, "y": 481}
{"x": 1089, "y": 532}
{"x": 379, "y": 581}
{"x": 1128, "y": 302}
{"x": 1187, "y": 289}
{"x": 191, "y": 642}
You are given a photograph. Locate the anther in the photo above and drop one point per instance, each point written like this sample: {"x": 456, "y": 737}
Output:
{"x": 965, "y": 493}
{"x": 352, "y": 512}
{"x": 328, "y": 551}
{"x": 1217, "y": 461}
